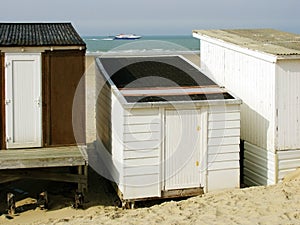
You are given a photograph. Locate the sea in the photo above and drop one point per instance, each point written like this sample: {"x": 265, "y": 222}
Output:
{"x": 147, "y": 44}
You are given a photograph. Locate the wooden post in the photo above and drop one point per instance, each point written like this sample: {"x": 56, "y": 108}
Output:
{"x": 82, "y": 186}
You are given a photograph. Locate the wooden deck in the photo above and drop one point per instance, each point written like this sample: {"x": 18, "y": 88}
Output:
{"x": 42, "y": 157}
{"x": 38, "y": 163}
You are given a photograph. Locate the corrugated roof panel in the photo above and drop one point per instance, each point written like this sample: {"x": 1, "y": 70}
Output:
{"x": 264, "y": 40}
{"x": 39, "y": 34}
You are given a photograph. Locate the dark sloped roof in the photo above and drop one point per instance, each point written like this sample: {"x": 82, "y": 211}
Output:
{"x": 39, "y": 34}
{"x": 160, "y": 79}
{"x": 172, "y": 70}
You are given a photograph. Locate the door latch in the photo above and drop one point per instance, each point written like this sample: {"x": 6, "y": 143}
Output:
{"x": 38, "y": 101}
{"x": 8, "y": 139}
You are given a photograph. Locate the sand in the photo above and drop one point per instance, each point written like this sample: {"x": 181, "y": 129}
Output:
{"x": 277, "y": 204}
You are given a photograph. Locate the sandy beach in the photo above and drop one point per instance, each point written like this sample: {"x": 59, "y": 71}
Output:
{"x": 277, "y": 204}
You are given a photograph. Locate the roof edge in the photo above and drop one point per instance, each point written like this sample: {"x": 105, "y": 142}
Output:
{"x": 251, "y": 52}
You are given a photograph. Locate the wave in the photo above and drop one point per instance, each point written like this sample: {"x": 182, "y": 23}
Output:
{"x": 92, "y": 39}
{"x": 143, "y": 52}
{"x": 107, "y": 39}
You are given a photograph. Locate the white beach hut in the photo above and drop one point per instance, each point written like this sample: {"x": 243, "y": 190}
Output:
{"x": 262, "y": 67}
{"x": 164, "y": 129}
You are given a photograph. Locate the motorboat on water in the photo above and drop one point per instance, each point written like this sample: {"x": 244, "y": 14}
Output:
{"x": 127, "y": 37}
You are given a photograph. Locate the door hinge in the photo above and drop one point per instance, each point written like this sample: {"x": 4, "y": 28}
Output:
{"x": 7, "y": 64}
{"x": 7, "y": 101}
{"x": 8, "y": 139}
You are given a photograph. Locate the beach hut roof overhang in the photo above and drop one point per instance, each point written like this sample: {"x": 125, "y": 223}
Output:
{"x": 43, "y": 36}
{"x": 267, "y": 44}
{"x": 146, "y": 82}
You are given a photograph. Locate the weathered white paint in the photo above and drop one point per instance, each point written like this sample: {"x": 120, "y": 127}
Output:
{"x": 288, "y": 104}
{"x": 23, "y": 100}
{"x": 142, "y": 148}
{"x": 288, "y": 160}
{"x": 223, "y": 147}
{"x": 269, "y": 87}
{"x": 266, "y": 168}
{"x": 183, "y": 129}
{"x": 252, "y": 80}
{"x": 117, "y": 132}
{"x": 144, "y": 136}
{"x": 259, "y": 166}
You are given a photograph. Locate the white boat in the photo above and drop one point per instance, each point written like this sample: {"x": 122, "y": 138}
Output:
{"x": 127, "y": 37}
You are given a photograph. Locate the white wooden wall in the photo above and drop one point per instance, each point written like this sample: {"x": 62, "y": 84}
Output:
{"x": 117, "y": 131}
{"x": 223, "y": 168}
{"x": 107, "y": 160}
{"x": 288, "y": 104}
{"x": 134, "y": 138}
{"x": 270, "y": 113}
{"x": 259, "y": 166}
{"x": 252, "y": 80}
{"x": 288, "y": 161}
{"x": 142, "y": 149}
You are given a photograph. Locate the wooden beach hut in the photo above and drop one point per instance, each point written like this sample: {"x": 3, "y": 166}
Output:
{"x": 164, "y": 129}
{"x": 262, "y": 67}
{"x": 41, "y": 65}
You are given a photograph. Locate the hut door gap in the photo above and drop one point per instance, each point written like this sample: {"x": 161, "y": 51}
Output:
{"x": 23, "y": 100}
{"x": 182, "y": 149}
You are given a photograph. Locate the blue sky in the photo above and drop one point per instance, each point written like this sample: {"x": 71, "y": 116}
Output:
{"x": 98, "y": 17}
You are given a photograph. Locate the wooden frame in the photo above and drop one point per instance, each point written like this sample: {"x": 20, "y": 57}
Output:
{"x": 62, "y": 72}
{"x": 2, "y": 100}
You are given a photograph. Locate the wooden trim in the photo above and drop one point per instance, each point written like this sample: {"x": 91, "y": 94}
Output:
{"x": 46, "y": 99}
{"x": 235, "y": 47}
{"x": 174, "y": 93}
{"x": 38, "y": 174}
{"x": 182, "y": 192}
{"x": 2, "y": 101}
{"x": 177, "y": 193}
{"x": 167, "y": 88}
{"x": 42, "y": 49}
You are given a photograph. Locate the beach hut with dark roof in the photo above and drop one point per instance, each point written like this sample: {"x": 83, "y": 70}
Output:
{"x": 164, "y": 129}
{"x": 41, "y": 67}
{"x": 262, "y": 67}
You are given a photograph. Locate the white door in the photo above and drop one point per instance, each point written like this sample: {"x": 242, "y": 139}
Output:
{"x": 23, "y": 100}
{"x": 182, "y": 149}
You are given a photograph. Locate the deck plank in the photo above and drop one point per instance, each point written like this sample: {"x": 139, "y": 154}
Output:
{"x": 42, "y": 157}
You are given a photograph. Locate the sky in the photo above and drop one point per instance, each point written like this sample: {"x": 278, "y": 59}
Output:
{"x": 165, "y": 17}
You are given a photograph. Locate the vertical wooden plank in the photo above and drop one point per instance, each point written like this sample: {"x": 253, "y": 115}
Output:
{"x": 2, "y": 101}
{"x": 204, "y": 149}
{"x": 46, "y": 99}
{"x": 66, "y": 68}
